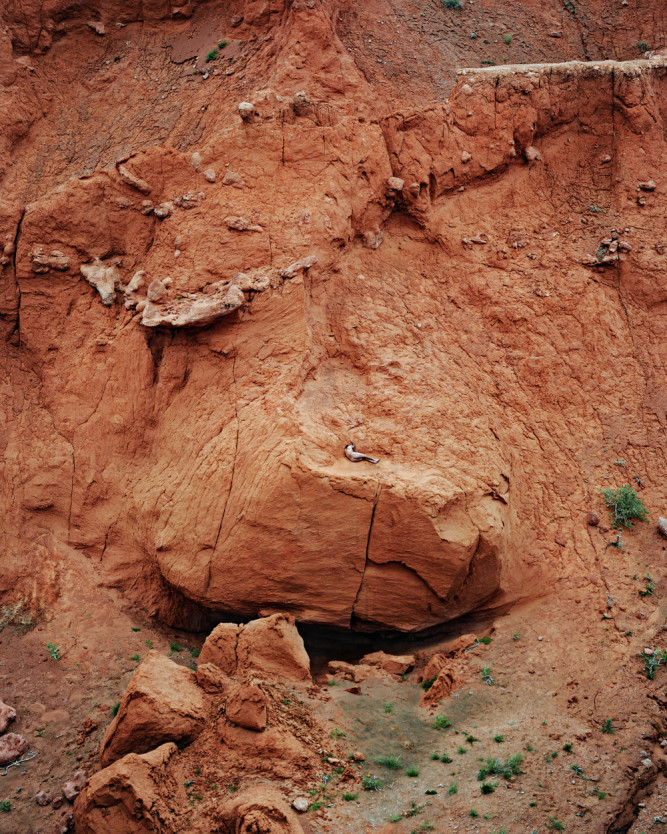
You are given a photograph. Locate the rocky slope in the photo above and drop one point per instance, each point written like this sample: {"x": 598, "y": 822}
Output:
{"x": 436, "y": 233}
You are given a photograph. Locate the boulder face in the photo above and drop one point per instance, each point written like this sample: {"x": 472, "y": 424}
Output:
{"x": 162, "y": 703}
{"x": 429, "y": 295}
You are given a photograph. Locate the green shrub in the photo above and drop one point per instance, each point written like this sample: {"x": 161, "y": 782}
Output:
{"x": 5, "y": 806}
{"x": 222, "y": 44}
{"x": 512, "y": 767}
{"x": 652, "y": 661}
{"x": 371, "y": 783}
{"x": 388, "y": 708}
{"x": 499, "y": 739}
{"x": 175, "y": 647}
{"x": 135, "y": 657}
{"x": 554, "y": 824}
{"x": 446, "y": 759}
{"x": 607, "y": 726}
{"x": 441, "y": 722}
{"x": 412, "y": 771}
{"x": 453, "y": 788}
{"x": 211, "y": 56}
{"x": 435, "y": 757}
{"x": 336, "y": 733}
{"x": 350, "y": 797}
{"x": 427, "y": 684}
{"x": 53, "y": 650}
{"x": 507, "y": 38}
{"x": 451, "y": 4}
{"x": 390, "y": 762}
{"x": 624, "y": 504}
{"x": 642, "y": 46}
{"x": 115, "y": 708}
{"x": 488, "y": 787}
{"x": 567, "y": 747}
{"x": 474, "y": 814}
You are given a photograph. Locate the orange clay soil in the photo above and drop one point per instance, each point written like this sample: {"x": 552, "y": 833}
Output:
{"x": 436, "y": 233}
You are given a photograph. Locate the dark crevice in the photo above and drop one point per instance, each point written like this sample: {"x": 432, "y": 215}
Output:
{"x": 368, "y": 546}
{"x": 17, "y": 325}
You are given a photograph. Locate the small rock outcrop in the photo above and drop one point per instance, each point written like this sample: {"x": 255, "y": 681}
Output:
{"x": 194, "y": 309}
{"x": 392, "y": 663}
{"x": 72, "y": 787}
{"x": 662, "y": 526}
{"x": 103, "y": 278}
{"x": 161, "y": 703}
{"x": 12, "y": 747}
{"x": 246, "y": 707}
{"x": 293, "y": 270}
{"x": 43, "y": 261}
{"x": 133, "y": 180}
{"x": 260, "y": 809}
{"x": 7, "y": 714}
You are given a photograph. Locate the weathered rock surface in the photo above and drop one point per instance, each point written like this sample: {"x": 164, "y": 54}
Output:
{"x": 260, "y": 809}
{"x": 194, "y": 309}
{"x": 162, "y": 703}
{"x": 127, "y": 796}
{"x": 12, "y": 747}
{"x": 246, "y": 707}
{"x": 7, "y": 714}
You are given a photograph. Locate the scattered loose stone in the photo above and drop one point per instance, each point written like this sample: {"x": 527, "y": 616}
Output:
{"x": 247, "y": 111}
{"x": 146, "y": 206}
{"x": 396, "y": 183}
{"x": 234, "y": 179}
{"x": 662, "y": 526}
{"x": 242, "y": 224}
{"x": 12, "y": 747}
{"x": 301, "y": 104}
{"x": 593, "y": 519}
{"x": 532, "y": 154}
{"x": 195, "y": 160}
{"x": 133, "y": 180}
{"x": 156, "y": 292}
{"x": 43, "y": 262}
{"x": 194, "y": 309}
{"x": 97, "y": 26}
{"x": 372, "y": 240}
{"x": 163, "y": 210}
{"x": 649, "y": 185}
{"x": 43, "y": 798}
{"x": 190, "y": 200}
{"x": 466, "y": 157}
{"x": 209, "y": 175}
{"x": 73, "y": 786}
{"x": 300, "y": 804}
{"x": 7, "y": 714}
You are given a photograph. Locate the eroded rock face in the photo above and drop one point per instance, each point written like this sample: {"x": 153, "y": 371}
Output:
{"x": 194, "y": 310}
{"x": 162, "y": 703}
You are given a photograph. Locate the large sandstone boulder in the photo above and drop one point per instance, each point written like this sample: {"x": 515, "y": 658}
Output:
{"x": 270, "y": 646}
{"x": 161, "y": 703}
{"x": 125, "y": 798}
{"x": 246, "y": 707}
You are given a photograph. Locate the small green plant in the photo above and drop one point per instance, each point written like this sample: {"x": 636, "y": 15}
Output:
{"x": 488, "y": 787}
{"x": 507, "y": 38}
{"x": 600, "y": 794}
{"x": 336, "y": 733}
{"x": 486, "y": 640}
{"x": 194, "y": 652}
{"x": 652, "y": 662}
{"x": 446, "y": 759}
{"x": 529, "y": 747}
{"x": 607, "y": 726}
{"x": 136, "y": 628}
{"x": 489, "y": 63}
{"x": 175, "y": 647}
{"x": 390, "y": 762}
{"x": 135, "y": 657}
{"x": 453, "y": 788}
{"x": 350, "y": 797}
{"x": 198, "y": 771}
{"x": 395, "y": 818}
{"x": 441, "y": 722}
{"x": 516, "y": 635}
{"x": 332, "y": 682}
{"x": 512, "y": 767}
{"x": 461, "y": 751}
{"x": 435, "y": 757}
{"x": 115, "y": 708}
{"x": 486, "y": 675}
{"x": 473, "y": 813}
{"x": 286, "y": 701}
{"x": 425, "y": 826}
{"x": 471, "y": 739}
{"x": 149, "y": 644}
{"x": 624, "y": 504}
{"x": 642, "y": 46}
{"x": 388, "y": 708}
{"x": 211, "y": 56}
{"x": 649, "y": 588}
{"x": 431, "y": 793}
{"x": 371, "y": 783}
{"x": 427, "y": 684}
{"x": 412, "y": 771}
{"x": 567, "y": 747}
{"x": 5, "y": 806}
{"x": 53, "y": 650}
{"x": 116, "y": 58}
{"x": 451, "y": 4}
{"x": 577, "y": 770}
{"x": 554, "y": 824}
{"x": 499, "y": 739}
{"x": 222, "y": 44}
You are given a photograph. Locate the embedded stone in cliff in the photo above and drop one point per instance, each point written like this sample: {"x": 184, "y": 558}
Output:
{"x": 532, "y": 154}
{"x": 190, "y": 200}
{"x": 162, "y": 703}
{"x": 133, "y": 180}
{"x": 126, "y": 795}
{"x": 301, "y": 104}
{"x": 247, "y": 111}
{"x": 103, "y": 278}
{"x": 163, "y": 210}
{"x": 97, "y": 26}
{"x": 45, "y": 261}
{"x": 251, "y": 283}
{"x": 293, "y": 270}
{"x": 194, "y": 309}
{"x": 156, "y": 292}
{"x": 242, "y": 224}
{"x": 372, "y": 240}
{"x": 246, "y": 707}
{"x": 649, "y": 185}
{"x": 232, "y": 178}
{"x": 662, "y": 526}
{"x": 12, "y": 747}
{"x": 395, "y": 183}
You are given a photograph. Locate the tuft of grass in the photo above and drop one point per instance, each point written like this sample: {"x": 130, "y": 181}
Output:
{"x": 624, "y": 504}
{"x": 488, "y": 787}
{"x": 486, "y": 675}
{"x": 461, "y": 751}
{"x": 332, "y": 682}
{"x": 175, "y": 647}
{"x": 390, "y": 762}
{"x": 388, "y": 708}
{"x": 607, "y": 727}
{"x": 53, "y": 650}
{"x": 600, "y": 794}
{"x": 371, "y": 783}
{"x": 516, "y": 635}
{"x": 222, "y": 44}
{"x": 554, "y": 824}
{"x": 435, "y": 757}
{"x": 149, "y": 644}
{"x": 441, "y": 722}
{"x": 427, "y": 684}
{"x": 652, "y": 662}
{"x": 115, "y": 708}
{"x": 499, "y": 739}
{"x": 336, "y": 733}
{"x": 446, "y": 759}
{"x": 135, "y": 657}
{"x": 507, "y": 38}
{"x": 211, "y": 56}
{"x": 642, "y": 46}
{"x": 473, "y": 813}
{"x": 567, "y": 747}
{"x": 453, "y": 788}
{"x": 395, "y": 818}
{"x": 486, "y": 640}
{"x": 470, "y": 739}
{"x": 194, "y": 652}
{"x": 412, "y": 771}
{"x": 5, "y": 806}
{"x": 451, "y": 4}
{"x": 136, "y": 628}
{"x": 350, "y": 797}
{"x": 512, "y": 767}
